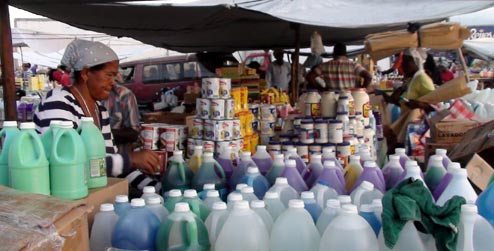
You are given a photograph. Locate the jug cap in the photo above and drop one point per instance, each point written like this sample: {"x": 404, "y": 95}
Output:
{"x": 370, "y": 163}
{"x": 66, "y": 124}
{"x": 437, "y": 158}
{"x": 292, "y": 150}
{"x": 234, "y": 197}
{"x": 208, "y": 186}
{"x": 121, "y": 198}
{"x": 469, "y": 208}
{"x": 366, "y": 208}
{"x": 27, "y": 126}
{"x": 307, "y": 195}
{"x": 261, "y": 147}
{"x": 212, "y": 194}
{"x": 441, "y": 151}
{"x": 271, "y": 195}
{"x": 87, "y": 119}
{"x": 394, "y": 157}
{"x": 329, "y": 164}
{"x": 106, "y": 207}
{"x": 411, "y": 163}
{"x": 252, "y": 170}
{"x": 190, "y": 193}
{"x": 296, "y": 204}
{"x": 247, "y": 190}
{"x": 257, "y": 204}
{"x": 349, "y": 208}
{"x": 219, "y": 205}
{"x": 138, "y": 202}
{"x": 333, "y": 203}
{"x": 178, "y": 153}
{"x": 198, "y": 147}
{"x": 245, "y": 155}
{"x": 460, "y": 172}
{"x": 367, "y": 185}
{"x": 400, "y": 150}
{"x": 10, "y": 123}
{"x": 281, "y": 181}
{"x": 290, "y": 163}
{"x": 454, "y": 165}
{"x": 154, "y": 200}
{"x": 182, "y": 207}
{"x": 240, "y": 186}
{"x": 354, "y": 157}
{"x": 345, "y": 199}
{"x": 241, "y": 205}
{"x": 208, "y": 155}
{"x": 413, "y": 170}
{"x": 279, "y": 156}
{"x": 149, "y": 189}
{"x": 174, "y": 193}
{"x": 317, "y": 156}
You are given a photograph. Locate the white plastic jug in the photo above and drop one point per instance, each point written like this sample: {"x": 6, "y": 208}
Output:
{"x": 103, "y": 225}
{"x": 154, "y": 204}
{"x": 284, "y": 190}
{"x": 475, "y": 233}
{"x": 148, "y": 192}
{"x": 408, "y": 240}
{"x": 215, "y": 221}
{"x": 259, "y": 207}
{"x": 365, "y": 194}
{"x": 460, "y": 186}
{"x": 328, "y": 214}
{"x": 323, "y": 193}
{"x": 273, "y": 204}
{"x": 212, "y": 196}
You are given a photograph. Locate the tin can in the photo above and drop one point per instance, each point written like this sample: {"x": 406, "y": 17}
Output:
{"x": 255, "y": 125}
{"x": 223, "y": 130}
{"x": 254, "y": 141}
{"x": 303, "y": 151}
{"x": 190, "y": 146}
{"x": 204, "y": 107}
{"x": 212, "y": 87}
{"x": 197, "y": 128}
{"x": 254, "y": 108}
{"x": 237, "y": 146}
{"x": 208, "y": 127}
{"x": 208, "y": 146}
{"x": 268, "y": 111}
{"x": 330, "y": 146}
{"x": 297, "y": 121}
{"x": 225, "y": 86}
{"x": 274, "y": 146}
{"x": 236, "y": 132}
{"x": 150, "y": 136}
{"x": 286, "y": 145}
{"x": 343, "y": 152}
{"x": 217, "y": 109}
{"x": 169, "y": 138}
{"x": 163, "y": 158}
{"x": 267, "y": 126}
{"x": 315, "y": 149}
{"x": 229, "y": 108}
{"x": 285, "y": 137}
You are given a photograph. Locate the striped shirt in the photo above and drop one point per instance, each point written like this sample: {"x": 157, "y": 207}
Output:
{"x": 60, "y": 104}
{"x": 340, "y": 74}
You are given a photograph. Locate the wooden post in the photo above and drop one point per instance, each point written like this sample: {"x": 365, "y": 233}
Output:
{"x": 295, "y": 58}
{"x": 8, "y": 77}
{"x": 463, "y": 63}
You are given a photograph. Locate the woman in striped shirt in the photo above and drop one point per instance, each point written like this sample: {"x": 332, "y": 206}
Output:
{"x": 94, "y": 68}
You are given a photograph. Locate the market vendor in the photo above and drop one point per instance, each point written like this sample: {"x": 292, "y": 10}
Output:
{"x": 340, "y": 73}
{"x": 94, "y": 67}
{"x": 415, "y": 85}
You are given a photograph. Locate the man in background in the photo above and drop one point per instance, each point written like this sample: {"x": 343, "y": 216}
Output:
{"x": 278, "y": 74}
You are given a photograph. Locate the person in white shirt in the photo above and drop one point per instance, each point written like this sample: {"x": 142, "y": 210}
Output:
{"x": 278, "y": 74}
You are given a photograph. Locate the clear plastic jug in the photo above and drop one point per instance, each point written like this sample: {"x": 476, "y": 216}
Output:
{"x": 154, "y": 204}
{"x": 274, "y": 205}
{"x": 284, "y": 190}
{"x": 255, "y": 180}
{"x": 245, "y": 162}
{"x": 178, "y": 175}
{"x": 122, "y": 205}
{"x": 435, "y": 172}
{"x": 323, "y": 193}
{"x": 101, "y": 231}
{"x": 196, "y": 205}
{"x": 262, "y": 159}
{"x": 174, "y": 196}
{"x": 210, "y": 173}
{"x": 150, "y": 192}
{"x": 392, "y": 171}
{"x": 365, "y": 194}
{"x": 259, "y": 207}
{"x": 446, "y": 180}
{"x": 248, "y": 194}
{"x": 215, "y": 221}
{"x": 293, "y": 176}
{"x": 212, "y": 197}
{"x": 459, "y": 186}
{"x": 313, "y": 170}
{"x": 352, "y": 172}
{"x": 332, "y": 210}
{"x": 276, "y": 169}
{"x": 409, "y": 239}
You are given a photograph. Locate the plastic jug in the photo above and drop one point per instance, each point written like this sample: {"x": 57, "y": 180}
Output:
{"x": 245, "y": 162}
{"x": 403, "y": 156}
{"x": 102, "y": 229}
{"x": 238, "y": 190}
{"x": 195, "y": 161}
{"x": 284, "y": 190}
{"x": 263, "y": 159}
{"x": 243, "y": 231}
{"x": 435, "y": 172}
{"x": 273, "y": 204}
{"x": 412, "y": 170}
{"x": 293, "y": 155}
{"x": 154, "y": 204}
{"x": 409, "y": 239}
{"x": 345, "y": 199}
{"x": 255, "y": 180}
{"x": 232, "y": 199}
{"x": 294, "y": 230}
{"x": 443, "y": 153}
{"x": 482, "y": 234}
{"x": 446, "y": 180}
{"x": 182, "y": 230}
{"x": 459, "y": 186}
{"x": 49, "y": 136}
{"x": 392, "y": 171}
{"x": 352, "y": 172}
{"x": 122, "y": 205}
{"x": 367, "y": 212}
{"x": 248, "y": 194}
{"x": 197, "y": 206}
{"x": 276, "y": 169}
{"x": 27, "y": 162}
{"x": 365, "y": 155}
{"x": 212, "y": 197}
{"x": 205, "y": 189}
{"x": 377, "y": 207}
{"x": 485, "y": 203}
{"x": 174, "y": 196}
{"x": 323, "y": 193}
{"x": 372, "y": 174}
{"x": 178, "y": 175}
{"x": 328, "y": 214}
{"x": 150, "y": 192}
{"x": 311, "y": 205}
{"x": 349, "y": 232}
{"x": 225, "y": 160}
{"x": 7, "y": 134}
{"x": 137, "y": 229}
{"x": 96, "y": 153}
{"x": 365, "y": 194}
{"x": 333, "y": 177}
{"x": 313, "y": 170}
{"x": 210, "y": 173}
{"x": 293, "y": 176}
{"x": 215, "y": 221}
{"x": 465, "y": 231}
{"x": 259, "y": 207}
{"x": 329, "y": 154}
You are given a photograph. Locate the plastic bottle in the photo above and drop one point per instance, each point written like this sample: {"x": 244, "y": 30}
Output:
{"x": 284, "y": 190}
{"x": 27, "y": 162}
{"x": 273, "y": 204}
{"x": 196, "y": 205}
{"x": 248, "y": 194}
{"x": 367, "y": 212}
{"x": 225, "y": 161}
{"x": 313, "y": 170}
{"x": 372, "y": 174}
{"x": 459, "y": 186}
{"x": 259, "y": 207}
{"x": 403, "y": 156}
{"x": 137, "y": 229}
{"x": 446, "y": 180}
{"x": 276, "y": 169}
{"x": 323, "y": 193}
{"x": 212, "y": 197}
{"x": 352, "y": 172}
{"x": 328, "y": 154}
{"x": 482, "y": 234}
{"x": 262, "y": 159}
{"x": 178, "y": 175}
{"x": 174, "y": 196}
{"x": 435, "y": 172}
{"x": 49, "y": 136}
{"x": 103, "y": 225}
{"x": 443, "y": 153}
{"x": 409, "y": 239}
{"x": 243, "y": 231}
{"x": 293, "y": 155}
{"x": 96, "y": 153}
{"x": 485, "y": 203}
{"x": 182, "y": 230}
{"x": 332, "y": 210}
{"x": 205, "y": 189}
{"x": 392, "y": 171}
{"x": 465, "y": 231}
{"x": 210, "y": 172}
{"x": 333, "y": 177}
{"x": 122, "y": 205}
{"x": 155, "y": 205}
{"x": 294, "y": 231}
{"x": 150, "y": 192}
{"x": 365, "y": 194}
{"x": 195, "y": 161}
{"x": 238, "y": 190}
{"x": 293, "y": 176}
{"x": 245, "y": 162}
{"x": 412, "y": 170}
{"x": 311, "y": 205}
{"x": 7, "y": 134}
{"x": 255, "y": 180}
{"x": 377, "y": 207}
{"x": 215, "y": 221}
{"x": 349, "y": 232}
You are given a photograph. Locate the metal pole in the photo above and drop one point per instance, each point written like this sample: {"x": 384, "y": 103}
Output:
{"x": 295, "y": 58}
{"x": 7, "y": 62}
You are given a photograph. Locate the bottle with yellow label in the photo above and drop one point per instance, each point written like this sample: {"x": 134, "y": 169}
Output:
{"x": 352, "y": 172}
{"x": 195, "y": 161}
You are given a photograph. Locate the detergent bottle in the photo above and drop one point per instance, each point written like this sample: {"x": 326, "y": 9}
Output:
{"x": 7, "y": 134}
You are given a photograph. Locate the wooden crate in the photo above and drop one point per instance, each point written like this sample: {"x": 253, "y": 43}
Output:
{"x": 166, "y": 117}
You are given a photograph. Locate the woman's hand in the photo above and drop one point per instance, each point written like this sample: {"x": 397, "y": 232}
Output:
{"x": 145, "y": 161}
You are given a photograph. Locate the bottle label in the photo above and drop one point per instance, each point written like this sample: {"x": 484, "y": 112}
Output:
{"x": 97, "y": 167}
{"x": 366, "y": 108}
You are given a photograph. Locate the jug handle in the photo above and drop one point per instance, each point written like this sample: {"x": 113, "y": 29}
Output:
{"x": 194, "y": 207}
{"x": 2, "y": 133}
{"x": 54, "y": 151}
{"x": 222, "y": 172}
{"x": 181, "y": 169}
{"x": 40, "y": 151}
{"x": 191, "y": 229}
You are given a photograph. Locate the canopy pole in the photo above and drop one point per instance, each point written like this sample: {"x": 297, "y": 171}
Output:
{"x": 463, "y": 63}
{"x": 7, "y": 62}
{"x": 295, "y": 58}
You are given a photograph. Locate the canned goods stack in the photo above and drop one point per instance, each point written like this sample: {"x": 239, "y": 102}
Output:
{"x": 164, "y": 137}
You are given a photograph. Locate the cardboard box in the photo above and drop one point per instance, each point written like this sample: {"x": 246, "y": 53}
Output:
{"x": 33, "y": 222}
{"x": 166, "y": 117}
{"x": 477, "y": 140}
{"x": 479, "y": 172}
{"x": 190, "y": 98}
{"x": 452, "y": 131}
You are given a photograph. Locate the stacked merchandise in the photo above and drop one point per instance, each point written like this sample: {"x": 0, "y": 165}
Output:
{"x": 164, "y": 137}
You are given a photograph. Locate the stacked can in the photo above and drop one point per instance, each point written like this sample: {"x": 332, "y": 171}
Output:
{"x": 164, "y": 139}
{"x": 268, "y": 116}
